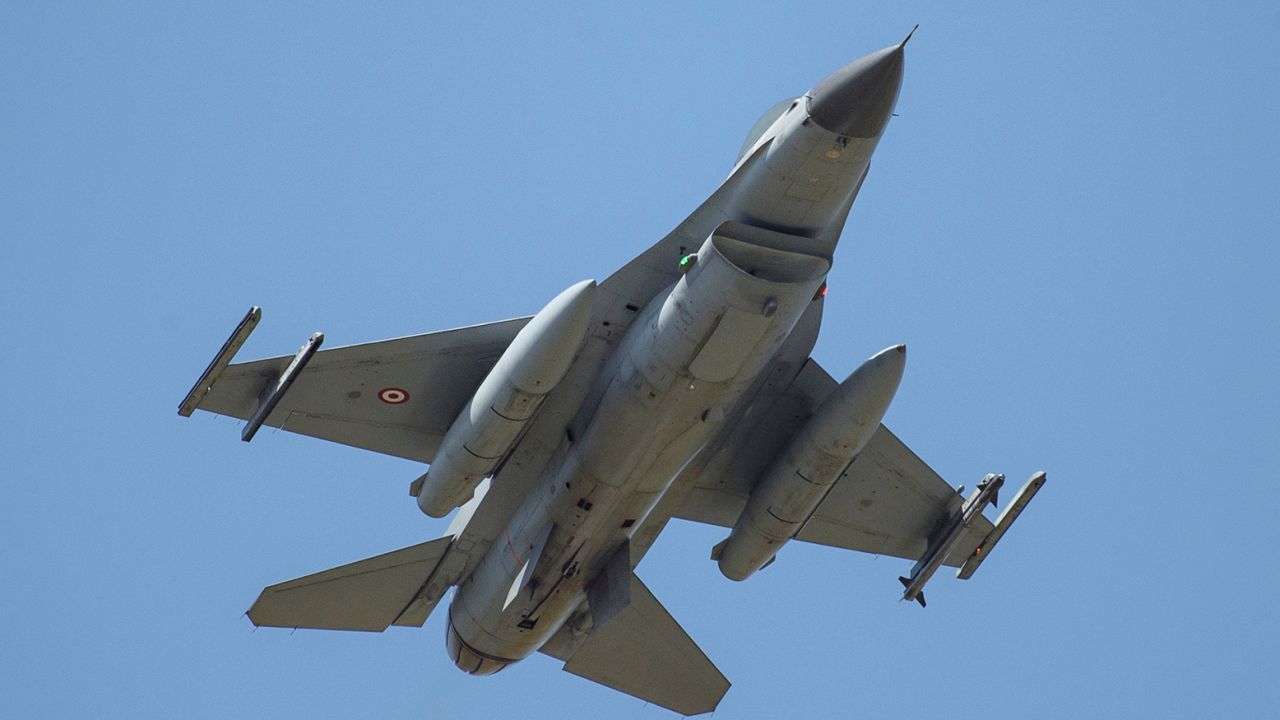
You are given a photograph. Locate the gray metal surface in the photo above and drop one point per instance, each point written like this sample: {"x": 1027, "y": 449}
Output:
{"x": 337, "y": 397}
{"x": 275, "y": 389}
{"x": 507, "y": 400}
{"x": 1002, "y": 525}
{"x": 692, "y": 377}
{"x": 944, "y": 540}
{"x": 220, "y": 361}
{"x": 366, "y": 595}
{"x": 807, "y": 468}
{"x": 858, "y": 99}
{"x": 886, "y": 503}
{"x": 645, "y": 653}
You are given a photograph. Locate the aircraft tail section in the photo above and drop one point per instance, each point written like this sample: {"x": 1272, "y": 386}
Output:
{"x": 643, "y": 652}
{"x": 398, "y": 588}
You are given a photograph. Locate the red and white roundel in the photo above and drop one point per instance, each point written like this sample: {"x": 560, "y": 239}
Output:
{"x": 393, "y": 396}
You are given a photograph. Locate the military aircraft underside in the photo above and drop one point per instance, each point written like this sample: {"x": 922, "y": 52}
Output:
{"x": 679, "y": 387}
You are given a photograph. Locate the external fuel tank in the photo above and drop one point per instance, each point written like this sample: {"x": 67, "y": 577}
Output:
{"x": 529, "y": 369}
{"x": 793, "y": 486}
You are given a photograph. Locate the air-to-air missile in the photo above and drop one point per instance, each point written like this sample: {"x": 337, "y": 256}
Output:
{"x": 1011, "y": 513}
{"x": 948, "y": 535}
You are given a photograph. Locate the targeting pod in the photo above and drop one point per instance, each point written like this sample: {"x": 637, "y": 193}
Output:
{"x": 532, "y": 366}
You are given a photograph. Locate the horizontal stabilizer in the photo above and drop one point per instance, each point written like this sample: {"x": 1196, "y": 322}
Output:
{"x": 644, "y": 653}
{"x": 367, "y": 595}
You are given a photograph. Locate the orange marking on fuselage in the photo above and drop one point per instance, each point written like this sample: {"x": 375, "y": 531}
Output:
{"x": 506, "y": 533}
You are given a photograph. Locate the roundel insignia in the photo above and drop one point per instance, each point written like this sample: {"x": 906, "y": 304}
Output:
{"x": 393, "y": 396}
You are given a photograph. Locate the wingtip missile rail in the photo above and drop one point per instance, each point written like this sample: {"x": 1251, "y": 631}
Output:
{"x": 274, "y": 391}
{"x": 1011, "y": 513}
{"x": 946, "y": 540}
{"x": 220, "y": 361}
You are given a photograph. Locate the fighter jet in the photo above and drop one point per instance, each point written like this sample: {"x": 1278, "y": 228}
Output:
{"x": 679, "y": 387}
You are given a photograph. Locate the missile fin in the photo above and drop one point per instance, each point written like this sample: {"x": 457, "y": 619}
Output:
{"x": 718, "y": 550}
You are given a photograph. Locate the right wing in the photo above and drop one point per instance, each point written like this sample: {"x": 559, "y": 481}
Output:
{"x": 643, "y": 652}
{"x": 887, "y": 502}
{"x": 339, "y": 396}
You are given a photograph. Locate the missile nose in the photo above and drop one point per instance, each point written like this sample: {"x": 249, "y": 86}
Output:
{"x": 858, "y": 99}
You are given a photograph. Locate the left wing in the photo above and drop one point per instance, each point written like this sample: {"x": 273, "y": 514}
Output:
{"x": 396, "y": 397}
{"x": 887, "y": 502}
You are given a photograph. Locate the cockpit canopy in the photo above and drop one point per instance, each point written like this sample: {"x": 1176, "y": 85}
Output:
{"x": 767, "y": 119}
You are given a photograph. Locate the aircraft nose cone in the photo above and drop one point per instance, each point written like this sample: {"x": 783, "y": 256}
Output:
{"x": 857, "y": 99}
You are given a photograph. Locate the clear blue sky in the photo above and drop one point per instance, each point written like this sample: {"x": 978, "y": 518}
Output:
{"x": 1072, "y": 224}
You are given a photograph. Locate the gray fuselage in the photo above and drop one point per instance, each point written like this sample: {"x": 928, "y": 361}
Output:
{"x": 691, "y": 356}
